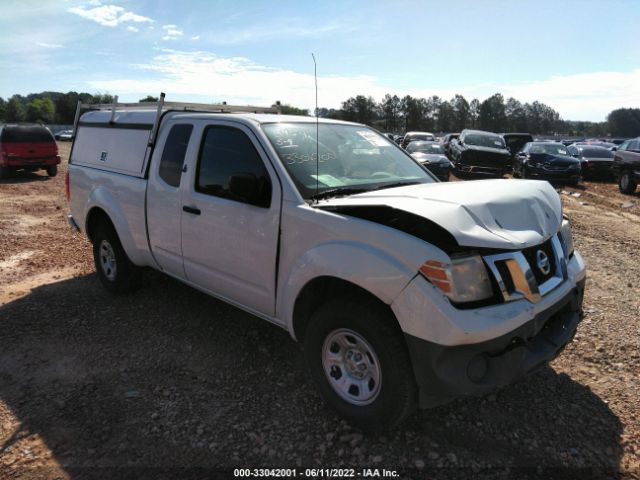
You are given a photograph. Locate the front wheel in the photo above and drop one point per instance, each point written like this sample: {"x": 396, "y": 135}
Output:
{"x": 626, "y": 183}
{"x": 358, "y": 359}
{"x": 115, "y": 270}
{"x": 52, "y": 170}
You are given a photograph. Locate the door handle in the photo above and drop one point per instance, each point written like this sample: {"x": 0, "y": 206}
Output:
{"x": 192, "y": 210}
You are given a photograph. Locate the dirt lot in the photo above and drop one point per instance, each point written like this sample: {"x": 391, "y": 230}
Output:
{"x": 171, "y": 383}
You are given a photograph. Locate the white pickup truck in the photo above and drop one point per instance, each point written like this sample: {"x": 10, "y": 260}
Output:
{"x": 405, "y": 291}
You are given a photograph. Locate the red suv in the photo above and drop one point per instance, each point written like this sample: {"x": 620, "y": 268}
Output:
{"x": 27, "y": 147}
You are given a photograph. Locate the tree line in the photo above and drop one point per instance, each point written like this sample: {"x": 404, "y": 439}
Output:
{"x": 495, "y": 114}
{"x": 391, "y": 114}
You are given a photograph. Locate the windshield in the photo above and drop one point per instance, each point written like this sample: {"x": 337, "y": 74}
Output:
{"x": 549, "y": 148}
{"x": 491, "y": 141}
{"x": 351, "y": 158}
{"x": 596, "y": 153}
{"x": 425, "y": 147}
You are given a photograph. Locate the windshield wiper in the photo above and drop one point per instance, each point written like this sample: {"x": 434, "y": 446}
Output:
{"x": 337, "y": 192}
{"x": 394, "y": 185}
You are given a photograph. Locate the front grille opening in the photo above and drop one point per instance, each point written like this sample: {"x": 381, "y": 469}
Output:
{"x": 501, "y": 265}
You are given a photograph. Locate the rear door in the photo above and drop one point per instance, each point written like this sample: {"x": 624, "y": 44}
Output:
{"x": 164, "y": 196}
{"x": 229, "y": 240}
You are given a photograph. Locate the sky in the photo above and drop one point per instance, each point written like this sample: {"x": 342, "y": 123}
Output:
{"x": 580, "y": 57}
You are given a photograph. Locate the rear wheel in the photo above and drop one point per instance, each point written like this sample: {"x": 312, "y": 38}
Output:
{"x": 626, "y": 182}
{"x": 52, "y": 170}
{"x": 115, "y": 270}
{"x": 359, "y": 362}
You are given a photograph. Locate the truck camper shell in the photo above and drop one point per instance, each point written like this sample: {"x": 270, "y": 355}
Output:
{"x": 123, "y": 134}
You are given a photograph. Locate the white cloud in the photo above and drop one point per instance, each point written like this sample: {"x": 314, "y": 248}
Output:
{"x": 195, "y": 37}
{"x": 584, "y": 95}
{"x": 239, "y": 80}
{"x": 235, "y": 80}
{"x": 109, "y": 15}
{"x": 133, "y": 29}
{"x": 171, "y": 32}
{"x": 49, "y": 45}
{"x": 286, "y": 28}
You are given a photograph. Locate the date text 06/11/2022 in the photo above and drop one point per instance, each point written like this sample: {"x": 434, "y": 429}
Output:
{"x": 315, "y": 472}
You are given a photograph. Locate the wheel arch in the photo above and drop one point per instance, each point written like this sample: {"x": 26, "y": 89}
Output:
{"x": 319, "y": 290}
{"x": 97, "y": 216}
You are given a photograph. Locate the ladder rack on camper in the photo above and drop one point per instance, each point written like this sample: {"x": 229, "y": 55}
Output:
{"x": 161, "y": 106}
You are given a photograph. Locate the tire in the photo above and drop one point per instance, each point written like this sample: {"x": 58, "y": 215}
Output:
{"x": 626, "y": 183}
{"x": 115, "y": 270}
{"x": 5, "y": 172}
{"x": 359, "y": 328}
{"x": 52, "y": 170}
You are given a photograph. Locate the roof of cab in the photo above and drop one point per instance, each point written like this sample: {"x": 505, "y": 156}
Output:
{"x": 147, "y": 117}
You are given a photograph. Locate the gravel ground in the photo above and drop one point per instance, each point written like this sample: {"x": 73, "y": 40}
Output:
{"x": 168, "y": 382}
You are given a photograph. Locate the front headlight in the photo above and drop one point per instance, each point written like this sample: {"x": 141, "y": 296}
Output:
{"x": 567, "y": 237}
{"x": 463, "y": 280}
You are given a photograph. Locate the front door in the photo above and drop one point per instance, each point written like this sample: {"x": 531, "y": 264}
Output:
{"x": 230, "y": 218}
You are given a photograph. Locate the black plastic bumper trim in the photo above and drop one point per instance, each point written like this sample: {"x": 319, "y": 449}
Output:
{"x": 444, "y": 373}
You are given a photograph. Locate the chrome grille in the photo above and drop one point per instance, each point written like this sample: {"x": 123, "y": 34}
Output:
{"x": 519, "y": 276}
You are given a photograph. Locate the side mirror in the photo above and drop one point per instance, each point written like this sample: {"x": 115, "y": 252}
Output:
{"x": 614, "y": 149}
{"x": 248, "y": 188}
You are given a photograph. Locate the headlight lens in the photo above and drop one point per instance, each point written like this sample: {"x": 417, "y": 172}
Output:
{"x": 463, "y": 280}
{"x": 567, "y": 237}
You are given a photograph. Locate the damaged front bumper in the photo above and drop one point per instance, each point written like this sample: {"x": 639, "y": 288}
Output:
{"x": 461, "y": 352}
{"x": 447, "y": 372}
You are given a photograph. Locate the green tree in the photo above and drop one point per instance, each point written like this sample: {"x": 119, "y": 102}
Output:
{"x": 492, "y": 114}
{"x": 148, "y": 99}
{"x": 390, "y": 108}
{"x": 446, "y": 117}
{"x": 474, "y": 113}
{"x": 101, "y": 98}
{"x": 329, "y": 113}
{"x": 461, "y": 113}
{"x": 15, "y": 111}
{"x": 624, "y": 122}
{"x": 41, "y": 110}
{"x": 412, "y": 113}
{"x": 360, "y": 109}
{"x": 516, "y": 116}
{"x": 3, "y": 108}
{"x": 66, "y": 105}
{"x": 289, "y": 110}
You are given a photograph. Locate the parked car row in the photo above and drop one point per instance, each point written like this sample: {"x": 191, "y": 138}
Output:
{"x": 476, "y": 153}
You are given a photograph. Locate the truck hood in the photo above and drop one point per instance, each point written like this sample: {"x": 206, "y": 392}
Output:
{"x": 502, "y": 214}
